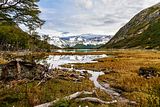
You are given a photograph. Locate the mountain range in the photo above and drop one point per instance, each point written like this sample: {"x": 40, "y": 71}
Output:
{"x": 142, "y": 31}
{"x": 80, "y": 41}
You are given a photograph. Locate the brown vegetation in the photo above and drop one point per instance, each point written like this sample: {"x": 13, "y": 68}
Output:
{"x": 122, "y": 73}
{"x": 21, "y": 93}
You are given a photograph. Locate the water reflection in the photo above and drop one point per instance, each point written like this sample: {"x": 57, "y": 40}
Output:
{"x": 57, "y": 60}
{"x": 76, "y": 50}
{"x": 54, "y": 61}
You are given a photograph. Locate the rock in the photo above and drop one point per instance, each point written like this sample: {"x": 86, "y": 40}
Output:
{"x": 103, "y": 69}
{"x": 19, "y": 69}
{"x": 61, "y": 75}
{"x": 64, "y": 70}
{"x": 82, "y": 74}
{"x": 108, "y": 71}
{"x": 85, "y": 72}
{"x": 149, "y": 72}
{"x": 106, "y": 85}
{"x": 77, "y": 80}
{"x": 74, "y": 76}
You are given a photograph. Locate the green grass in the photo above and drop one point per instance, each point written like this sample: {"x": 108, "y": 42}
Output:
{"x": 149, "y": 39}
{"x": 28, "y": 95}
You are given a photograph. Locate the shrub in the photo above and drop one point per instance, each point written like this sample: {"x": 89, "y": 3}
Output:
{"x": 149, "y": 72}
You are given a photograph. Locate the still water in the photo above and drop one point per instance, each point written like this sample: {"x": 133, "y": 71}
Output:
{"x": 54, "y": 61}
{"x": 77, "y": 50}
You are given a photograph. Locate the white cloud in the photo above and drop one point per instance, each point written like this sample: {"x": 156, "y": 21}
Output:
{"x": 91, "y": 16}
{"x": 88, "y": 4}
{"x": 49, "y": 32}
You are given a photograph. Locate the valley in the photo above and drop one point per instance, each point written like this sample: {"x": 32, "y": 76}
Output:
{"x": 106, "y": 70}
{"x": 86, "y": 53}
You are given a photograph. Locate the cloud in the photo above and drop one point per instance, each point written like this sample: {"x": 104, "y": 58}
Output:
{"x": 50, "y": 32}
{"x": 64, "y": 33}
{"x": 88, "y": 4}
{"x": 89, "y": 16}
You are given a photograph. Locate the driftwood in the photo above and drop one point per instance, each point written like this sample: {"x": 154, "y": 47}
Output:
{"x": 18, "y": 68}
{"x": 74, "y": 96}
{"x": 39, "y": 83}
{"x": 96, "y": 100}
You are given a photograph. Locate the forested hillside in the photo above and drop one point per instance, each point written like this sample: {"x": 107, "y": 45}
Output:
{"x": 13, "y": 38}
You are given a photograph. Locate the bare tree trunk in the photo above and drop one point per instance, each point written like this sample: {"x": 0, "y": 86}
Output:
{"x": 18, "y": 69}
{"x": 96, "y": 100}
{"x": 75, "y": 95}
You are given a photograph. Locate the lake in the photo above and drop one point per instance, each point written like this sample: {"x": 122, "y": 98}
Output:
{"x": 77, "y": 50}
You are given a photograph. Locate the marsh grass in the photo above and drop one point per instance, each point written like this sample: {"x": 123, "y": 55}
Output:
{"x": 2, "y": 61}
{"x": 124, "y": 67}
{"x": 29, "y": 95}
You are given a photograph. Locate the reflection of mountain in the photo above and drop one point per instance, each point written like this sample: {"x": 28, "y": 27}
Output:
{"x": 83, "y": 41}
{"x": 73, "y": 57}
{"x": 56, "y": 60}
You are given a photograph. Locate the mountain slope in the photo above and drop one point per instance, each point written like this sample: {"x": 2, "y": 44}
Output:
{"x": 13, "y": 38}
{"x": 142, "y": 31}
{"x": 82, "y": 46}
{"x": 57, "y": 41}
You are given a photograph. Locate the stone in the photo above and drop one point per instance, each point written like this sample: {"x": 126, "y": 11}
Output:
{"x": 74, "y": 76}
{"x": 85, "y": 72}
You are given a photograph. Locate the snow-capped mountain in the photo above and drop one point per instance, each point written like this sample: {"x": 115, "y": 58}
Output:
{"x": 57, "y": 41}
{"x": 84, "y": 39}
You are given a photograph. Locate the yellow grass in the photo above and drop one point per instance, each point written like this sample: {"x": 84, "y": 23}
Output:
{"x": 124, "y": 65}
{"x": 2, "y": 61}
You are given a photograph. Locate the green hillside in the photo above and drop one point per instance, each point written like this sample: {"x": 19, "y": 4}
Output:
{"x": 13, "y": 38}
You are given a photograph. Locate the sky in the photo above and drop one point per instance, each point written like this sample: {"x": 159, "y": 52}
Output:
{"x": 74, "y": 17}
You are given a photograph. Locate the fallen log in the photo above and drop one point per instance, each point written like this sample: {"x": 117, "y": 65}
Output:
{"x": 18, "y": 68}
{"x": 74, "y": 96}
{"x": 70, "y": 97}
{"x": 39, "y": 83}
{"x": 95, "y": 100}
{"x": 77, "y": 94}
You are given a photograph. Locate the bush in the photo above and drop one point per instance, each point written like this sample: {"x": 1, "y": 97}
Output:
{"x": 149, "y": 72}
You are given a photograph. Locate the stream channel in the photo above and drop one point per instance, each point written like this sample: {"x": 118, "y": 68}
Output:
{"x": 55, "y": 61}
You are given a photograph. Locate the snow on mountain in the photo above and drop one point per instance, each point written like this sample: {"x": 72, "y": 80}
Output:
{"x": 85, "y": 39}
{"x": 57, "y": 41}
